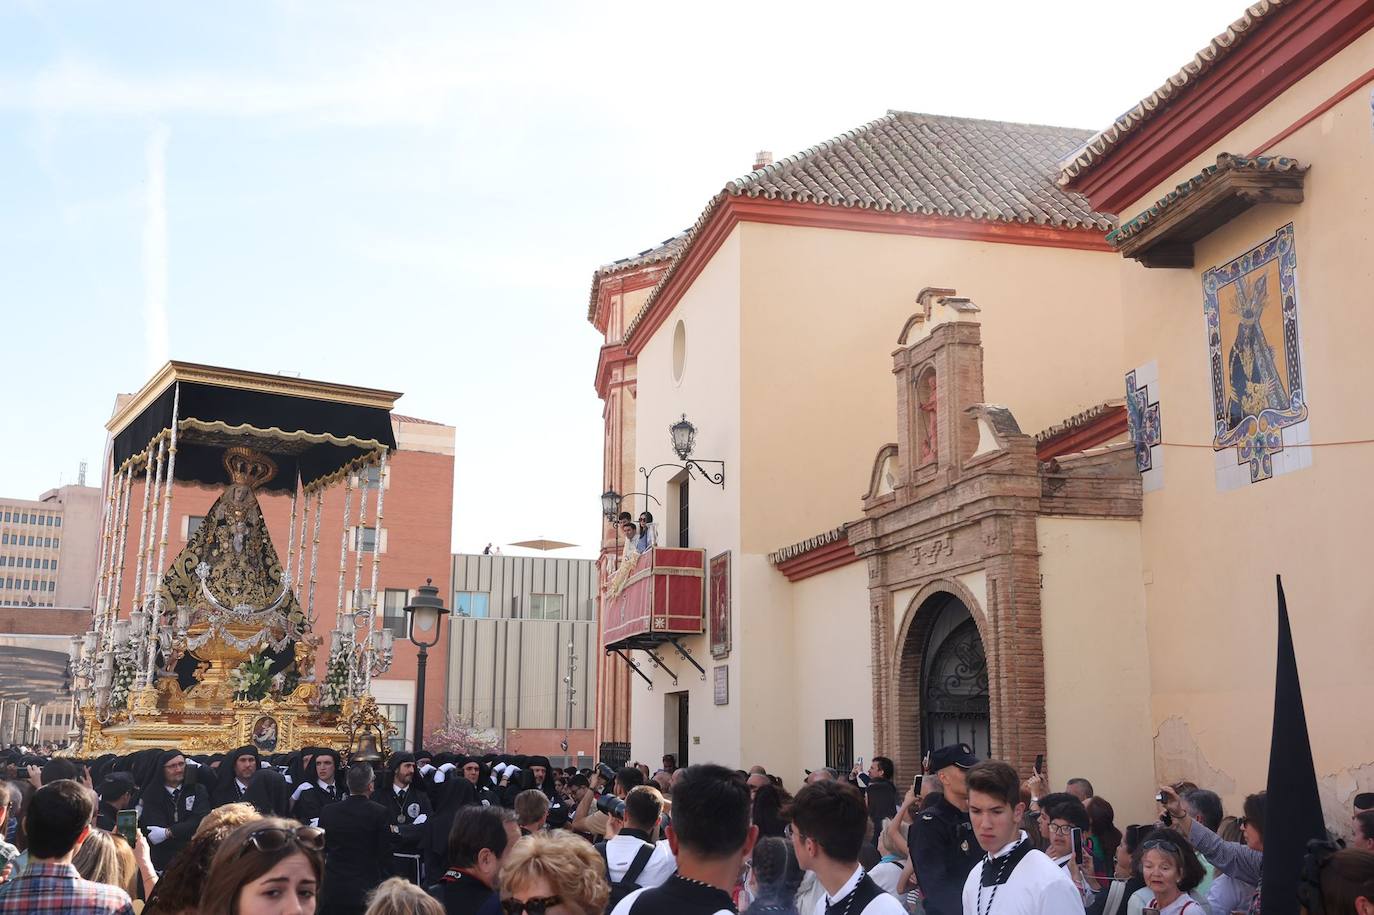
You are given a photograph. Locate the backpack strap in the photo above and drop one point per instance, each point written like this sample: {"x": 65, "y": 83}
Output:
{"x": 601, "y": 849}
{"x": 637, "y": 866}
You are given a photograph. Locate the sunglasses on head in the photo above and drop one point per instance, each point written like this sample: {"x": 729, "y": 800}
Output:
{"x": 1161, "y": 844}
{"x": 529, "y": 906}
{"x": 275, "y": 838}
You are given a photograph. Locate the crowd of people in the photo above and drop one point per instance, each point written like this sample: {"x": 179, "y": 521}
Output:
{"x": 428, "y": 834}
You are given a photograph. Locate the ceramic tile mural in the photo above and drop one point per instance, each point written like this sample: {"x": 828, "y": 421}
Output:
{"x": 1142, "y": 414}
{"x": 1259, "y": 405}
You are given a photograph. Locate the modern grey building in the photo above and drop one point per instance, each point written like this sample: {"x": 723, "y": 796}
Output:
{"x": 514, "y": 618}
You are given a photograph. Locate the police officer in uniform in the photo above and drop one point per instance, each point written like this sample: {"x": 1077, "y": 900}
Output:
{"x": 409, "y": 809}
{"x": 943, "y": 846}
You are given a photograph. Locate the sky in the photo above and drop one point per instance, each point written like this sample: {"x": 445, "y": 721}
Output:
{"x": 413, "y": 196}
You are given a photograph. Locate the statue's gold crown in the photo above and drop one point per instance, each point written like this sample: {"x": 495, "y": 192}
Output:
{"x": 248, "y": 467}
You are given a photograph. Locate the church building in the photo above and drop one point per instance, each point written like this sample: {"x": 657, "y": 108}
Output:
{"x": 1015, "y": 426}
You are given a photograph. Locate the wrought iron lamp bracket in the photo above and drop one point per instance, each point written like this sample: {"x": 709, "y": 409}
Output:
{"x": 686, "y": 654}
{"x": 717, "y": 479}
{"x": 658, "y": 662}
{"x": 633, "y": 666}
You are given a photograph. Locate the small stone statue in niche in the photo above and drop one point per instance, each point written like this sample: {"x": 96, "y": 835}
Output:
{"x": 926, "y": 419}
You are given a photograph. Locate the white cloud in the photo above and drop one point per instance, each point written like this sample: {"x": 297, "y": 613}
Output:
{"x": 410, "y": 84}
{"x": 155, "y": 251}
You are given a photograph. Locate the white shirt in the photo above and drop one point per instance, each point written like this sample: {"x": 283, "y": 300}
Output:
{"x": 1036, "y": 886}
{"x": 620, "y": 853}
{"x": 886, "y": 874}
{"x": 884, "y": 904}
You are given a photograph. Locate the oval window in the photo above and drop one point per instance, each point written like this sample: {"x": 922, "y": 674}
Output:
{"x": 679, "y": 351}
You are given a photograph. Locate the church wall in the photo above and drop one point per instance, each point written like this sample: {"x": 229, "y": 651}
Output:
{"x": 822, "y": 310}
{"x": 831, "y": 663}
{"x": 1097, "y": 672}
{"x": 708, "y": 393}
{"x": 612, "y": 686}
{"x": 1210, "y": 556}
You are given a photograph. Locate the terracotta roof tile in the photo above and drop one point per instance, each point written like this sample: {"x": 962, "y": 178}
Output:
{"x": 1078, "y": 421}
{"x": 922, "y": 164}
{"x": 933, "y": 165}
{"x": 1099, "y": 146}
{"x": 806, "y": 546}
{"x": 660, "y": 253}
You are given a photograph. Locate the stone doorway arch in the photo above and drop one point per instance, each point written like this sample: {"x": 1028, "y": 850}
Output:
{"x": 943, "y": 687}
{"x": 954, "y": 688}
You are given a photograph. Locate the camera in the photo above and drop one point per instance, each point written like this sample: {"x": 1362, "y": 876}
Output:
{"x": 606, "y": 772}
{"x": 1161, "y": 798}
{"x": 611, "y": 805}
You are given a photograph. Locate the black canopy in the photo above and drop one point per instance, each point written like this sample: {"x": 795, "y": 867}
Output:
{"x": 308, "y": 427}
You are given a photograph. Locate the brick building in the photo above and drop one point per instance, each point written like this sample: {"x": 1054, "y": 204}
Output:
{"x": 48, "y": 548}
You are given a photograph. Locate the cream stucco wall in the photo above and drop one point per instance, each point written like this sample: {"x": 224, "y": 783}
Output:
{"x": 1097, "y": 669}
{"x": 830, "y": 616}
{"x": 708, "y": 394}
{"x": 788, "y": 377}
{"x": 1210, "y": 557}
{"x": 822, "y": 312}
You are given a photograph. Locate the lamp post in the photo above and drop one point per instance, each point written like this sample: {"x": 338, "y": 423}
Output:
{"x": 426, "y": 612}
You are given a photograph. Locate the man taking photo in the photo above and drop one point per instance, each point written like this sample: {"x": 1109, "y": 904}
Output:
{"x": 634, "y": 859}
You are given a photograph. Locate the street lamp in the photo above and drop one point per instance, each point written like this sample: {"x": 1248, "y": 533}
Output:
{"x": 684, "y": 437}
{"x": 610, "y": 504}
{"x": 426, "y": 612}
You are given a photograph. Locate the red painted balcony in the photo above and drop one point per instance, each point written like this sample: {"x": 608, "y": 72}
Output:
{"x": 665, "y": 597}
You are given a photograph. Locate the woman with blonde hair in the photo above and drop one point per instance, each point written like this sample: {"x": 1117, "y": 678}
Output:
{"x": 102, "y": 858}
{"x": 181, "y": 886}
{"x": 398, "y": 896}
{"x": 553, "y": 874}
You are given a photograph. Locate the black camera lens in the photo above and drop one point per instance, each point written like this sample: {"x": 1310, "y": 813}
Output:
{"x": 611, "y": 805}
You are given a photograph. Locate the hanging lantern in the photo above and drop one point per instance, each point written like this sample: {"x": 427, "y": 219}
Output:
{"x": 684, "y": 438}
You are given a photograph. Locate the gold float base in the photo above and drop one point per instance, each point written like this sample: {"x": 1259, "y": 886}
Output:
{"x": 157, "y": 719}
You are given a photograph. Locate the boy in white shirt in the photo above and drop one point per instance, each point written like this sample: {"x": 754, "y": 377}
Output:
{"x": 1014, "y": 878}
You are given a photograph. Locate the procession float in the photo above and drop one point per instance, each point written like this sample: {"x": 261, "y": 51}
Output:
{"x": 218, "y": 647}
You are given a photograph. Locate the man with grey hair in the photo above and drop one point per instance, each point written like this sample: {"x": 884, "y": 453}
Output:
{"x": 823, "y": 774}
